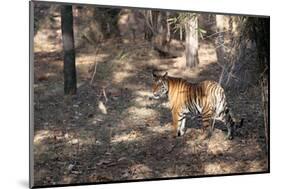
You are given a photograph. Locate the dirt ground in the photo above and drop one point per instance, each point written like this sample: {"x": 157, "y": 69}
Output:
{"x": 114, "y": 131}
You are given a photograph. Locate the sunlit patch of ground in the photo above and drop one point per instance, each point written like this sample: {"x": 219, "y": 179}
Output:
{"x": 141, "y": 171}
{"x": 218, "y": 168}
{"x": 122, "y": 76}
{"x": 140, "y": 113}
{"x": 131, "y": 136}
{"x": 90, "y": 59}
{"x": 218, "y": 148}
{"x": 158, "y": 130}
{"x": 48, "y": 40}
{"x": 41, "y": 135}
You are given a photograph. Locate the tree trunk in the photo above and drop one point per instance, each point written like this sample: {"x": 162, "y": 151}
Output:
{"x": 191, "y": 42}
{"x": 220, "y": 39}
{"x": 68, "y": 48}
{"x": 180, "y": 33}
{"x": 264, "y": 91}
{"x": 154, "y": 18}
{"x": 148, "y": 34}
{"x": 262, "y": 36}
{"x": 159, "y": 25}
{"x": 220, "y": 48}
{"x": 168, "y": 32}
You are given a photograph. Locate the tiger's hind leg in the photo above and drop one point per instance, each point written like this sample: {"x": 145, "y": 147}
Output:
{"x": 229, "y": 122}
{"x": 207, "y": 122}
{"x": 181, "y": 128}
{"x": 229, "y": 135}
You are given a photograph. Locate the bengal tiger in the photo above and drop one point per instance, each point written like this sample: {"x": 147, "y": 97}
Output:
{"x": 206, "y": 99}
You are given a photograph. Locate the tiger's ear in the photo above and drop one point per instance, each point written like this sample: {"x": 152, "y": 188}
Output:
{"x": 165, "y": 75}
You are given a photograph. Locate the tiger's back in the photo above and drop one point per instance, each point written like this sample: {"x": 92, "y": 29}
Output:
{"x": 194, "y": 96}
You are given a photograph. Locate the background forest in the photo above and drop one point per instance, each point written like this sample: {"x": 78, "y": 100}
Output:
{"x": 94, "y": 118}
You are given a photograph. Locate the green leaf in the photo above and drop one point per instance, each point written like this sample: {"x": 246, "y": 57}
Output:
{"x": 202, "y": 30}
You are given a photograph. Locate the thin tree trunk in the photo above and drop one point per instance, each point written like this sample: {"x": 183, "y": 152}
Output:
{"x": 264, "y": 91}
{"x": 180, "y": 33}
{"x": 148, "y": 26}
{"x": 159, "y": 25}
{"x": 220, "y": 47}
{"x": 168, "y": 32}
{"x": 191, "y": 42}
{"x": 150, "y": 17}
{"x": 187, "y": 36}
{"x": 262, "y": 31}
{"x": 68, "y": 48}
{"x": 154, "y": 18}
{"x": 220, "y": 39}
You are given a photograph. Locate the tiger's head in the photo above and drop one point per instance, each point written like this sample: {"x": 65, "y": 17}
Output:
{"x": 160, "y": 85}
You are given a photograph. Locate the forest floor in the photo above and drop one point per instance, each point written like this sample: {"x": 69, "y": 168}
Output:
{"x": 112, "y": 130}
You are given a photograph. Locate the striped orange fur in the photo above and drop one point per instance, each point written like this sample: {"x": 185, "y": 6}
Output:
{"x": 206, "y": 98}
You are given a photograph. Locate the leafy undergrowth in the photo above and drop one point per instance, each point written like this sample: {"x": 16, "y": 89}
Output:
{"x": 112, "y": 130}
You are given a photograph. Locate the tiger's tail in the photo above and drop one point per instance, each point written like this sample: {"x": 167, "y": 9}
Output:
{"x": 230, "y": 121}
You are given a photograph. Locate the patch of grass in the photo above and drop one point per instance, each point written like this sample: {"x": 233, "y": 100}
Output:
{"x": 122, "y": 55}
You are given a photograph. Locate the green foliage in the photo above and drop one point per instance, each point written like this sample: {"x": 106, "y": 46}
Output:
{"x": 122, "y": 55}
{"x": 201, "y": 32}
{"x": 179, "y": 20}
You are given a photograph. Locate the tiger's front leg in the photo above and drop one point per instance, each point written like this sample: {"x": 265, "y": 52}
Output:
{"x": 175, "y": 123}
{"x": 179, "y": 123}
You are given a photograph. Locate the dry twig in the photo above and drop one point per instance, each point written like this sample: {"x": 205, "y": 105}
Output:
{"x": 96, "y": 65}
{"x": 104, "y": 94}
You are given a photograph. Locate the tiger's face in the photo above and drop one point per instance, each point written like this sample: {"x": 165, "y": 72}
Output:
{"x": 160, "y": 86}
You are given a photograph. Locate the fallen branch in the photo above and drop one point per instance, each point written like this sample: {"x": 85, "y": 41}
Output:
{"x": 104, "y": 94}
{"x": 94, "y": 73}
{"x": 96, "y": 65}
